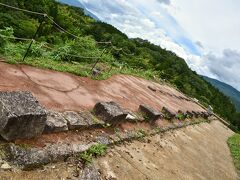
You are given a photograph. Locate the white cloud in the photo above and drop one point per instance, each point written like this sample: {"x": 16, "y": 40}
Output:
{"x": 214, "y": 22}
{"x": 167, "y": 2}
{"x": 198, "y": 31}
{"x": 225, "y": 67}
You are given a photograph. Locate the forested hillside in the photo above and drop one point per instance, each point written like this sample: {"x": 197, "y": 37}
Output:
{"x": 76, "y": 51}
{"x": 228, "y": 90}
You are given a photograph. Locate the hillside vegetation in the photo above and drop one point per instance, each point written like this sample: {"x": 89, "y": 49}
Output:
{"x": 228, "y": 90}
{"x": 234, "y": 145}
{"x": 61, "y": 51}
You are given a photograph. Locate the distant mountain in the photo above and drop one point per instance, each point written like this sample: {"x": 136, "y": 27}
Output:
{"x": 77, "y": 3}
{"x": 227, "y": 90}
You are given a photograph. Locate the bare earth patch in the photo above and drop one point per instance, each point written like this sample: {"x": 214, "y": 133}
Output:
{"x": 195, "y": 152}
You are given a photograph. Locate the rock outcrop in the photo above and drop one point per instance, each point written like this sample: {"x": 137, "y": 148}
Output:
{"x": 21, "y": 116}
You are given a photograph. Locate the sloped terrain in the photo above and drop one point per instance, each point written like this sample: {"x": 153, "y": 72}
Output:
{"x": 195, "y": 152}
{"x": 177, "y": 140}
{"x": 63, "y": 91}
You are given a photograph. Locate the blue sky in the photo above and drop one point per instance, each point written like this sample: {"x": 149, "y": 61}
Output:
{"x": 205, "y": 33}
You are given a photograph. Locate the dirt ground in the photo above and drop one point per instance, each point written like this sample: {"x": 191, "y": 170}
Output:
{"x": 192, "y": 153}
{"x": 196, "y": 152}
{"x": 64, "y": 91}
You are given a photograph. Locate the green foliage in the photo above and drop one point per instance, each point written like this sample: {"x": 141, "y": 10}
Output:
{"x": 180, "y": 116}
{"x": 94, "y": 151}
{"x": 148, "y": 60}
{"x": 141, "y": 133}
{"x": 86, "y": 157}
{"x": 98, "y": 150}
{"x": 234, "y": 145}
{"x": 3, "y": 41}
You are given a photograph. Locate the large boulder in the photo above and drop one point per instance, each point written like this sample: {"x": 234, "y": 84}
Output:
{"x": 150, "y": 112}
{"x": 110, "y": 112}
{"x": 55, "y": 123}
{"x": 21, "y": 116}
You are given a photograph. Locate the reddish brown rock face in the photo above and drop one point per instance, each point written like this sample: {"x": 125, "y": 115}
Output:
{"x": 64, "y": 91}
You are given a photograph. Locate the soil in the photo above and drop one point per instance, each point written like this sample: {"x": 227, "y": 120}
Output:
{"x": 64, "y": 91}
{"x": 192, "y": 153}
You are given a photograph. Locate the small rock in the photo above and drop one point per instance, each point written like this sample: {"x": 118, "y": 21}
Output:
{"x": 102, "y": 140}
{"x": 74, "y": 120}
{"x": 189, "y": 114}
{"x": 150, "y": 112}
{"x": 110, "y": 154}
{"x": 110, "y": 112}
{"x": 89, "y": 173}
{"x": 75, "y": 173}
{"x": 152, "y": 88}
{"x": 196, "y": 114}
{"x": 149, "y": 141}
{"x": 90, "y": 119}
{"x": 96, "y": 72}
{"x": 55, "y": 123}
{"x": 205, "y": 115}
{"x": 168, "y": 113}
{"x": 131, "y": 117}
{"x": 6, "y": 166}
